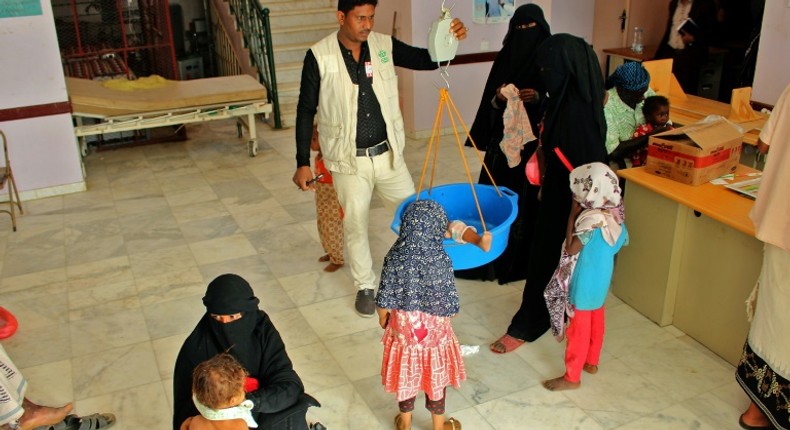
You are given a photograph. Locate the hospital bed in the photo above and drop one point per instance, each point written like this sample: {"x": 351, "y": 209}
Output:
{"x": 174, "y": 103}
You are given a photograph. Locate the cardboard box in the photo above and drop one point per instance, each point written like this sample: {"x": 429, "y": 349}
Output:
{"x": 696, "y": 153}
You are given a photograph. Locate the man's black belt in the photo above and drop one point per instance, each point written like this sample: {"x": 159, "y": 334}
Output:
{"x": 374, "y": 150}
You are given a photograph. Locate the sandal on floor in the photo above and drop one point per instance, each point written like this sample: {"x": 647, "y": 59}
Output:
{"x": 452, "y": 424}
{"x": 71, "y": 422}
{"x": 97, "y": 422}
{"x": 508, "y": 343}
{"x": 751, "y": 427}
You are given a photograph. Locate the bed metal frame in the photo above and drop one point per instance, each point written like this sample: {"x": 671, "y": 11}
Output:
{"x": 188, "y": 115}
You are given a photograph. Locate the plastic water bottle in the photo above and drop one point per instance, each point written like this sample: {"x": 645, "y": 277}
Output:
{"x": 636, "y": 45}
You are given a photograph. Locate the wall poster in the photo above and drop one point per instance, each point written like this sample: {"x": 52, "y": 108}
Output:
{"x": 493, "y": 11}
{"x": 18, "y": 8}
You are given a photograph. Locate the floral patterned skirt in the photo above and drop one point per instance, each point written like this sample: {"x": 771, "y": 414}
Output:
{"x": 767, "y": 389}
{"x": 421, "y": 353}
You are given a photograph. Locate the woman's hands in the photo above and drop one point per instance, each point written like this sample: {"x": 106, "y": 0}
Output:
{"x": 526, "y": 95}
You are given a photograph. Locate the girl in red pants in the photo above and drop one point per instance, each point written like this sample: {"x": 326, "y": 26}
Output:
{"x": 595, "y": 234}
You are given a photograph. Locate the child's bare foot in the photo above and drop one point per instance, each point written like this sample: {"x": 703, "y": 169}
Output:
{"x": 324, "y": 258}
{"x": 485, "y": 241}
{"x": 332, "y": 267}
{"x": 37, "y": 416}
{"x": 590, "y": 368}
{"x": 560, "y": 384}
{"x": 403, "y": 421}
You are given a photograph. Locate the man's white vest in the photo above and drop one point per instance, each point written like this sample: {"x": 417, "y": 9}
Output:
{"x": 337, "y": 102}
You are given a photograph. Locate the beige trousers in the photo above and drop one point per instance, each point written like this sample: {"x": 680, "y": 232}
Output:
{"x": 374, "y": 174}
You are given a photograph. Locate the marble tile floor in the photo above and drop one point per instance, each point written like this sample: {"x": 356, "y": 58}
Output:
{"x": 106, "y": 285}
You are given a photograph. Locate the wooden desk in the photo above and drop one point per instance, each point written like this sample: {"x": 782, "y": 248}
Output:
{"x": 691, "y": 109}
{"x": 687, "y": 109}
{"x": 647, "y": 54}
{"x": 692, "y": 259}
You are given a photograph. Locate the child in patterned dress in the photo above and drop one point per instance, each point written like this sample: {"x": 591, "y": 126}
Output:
{"x": 415, "y": 303}
{"x": 329, "y": 214}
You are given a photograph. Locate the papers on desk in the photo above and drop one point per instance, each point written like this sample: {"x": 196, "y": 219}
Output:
{"x": 725, "y": 179}
{"x": 747, "y": 188}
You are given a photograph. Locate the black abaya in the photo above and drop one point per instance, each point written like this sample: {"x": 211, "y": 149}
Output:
{"x": 514, "y": 64}
{"x": 280, "y": 402}
{"x": 575, "y": 124}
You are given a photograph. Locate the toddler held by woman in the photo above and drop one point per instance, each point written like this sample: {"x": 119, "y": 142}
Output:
{"x": 218, "y": 391}
{"x": 656, "y": 111}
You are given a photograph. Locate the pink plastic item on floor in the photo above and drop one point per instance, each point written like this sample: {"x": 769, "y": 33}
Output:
{"x": 8, "y": 323}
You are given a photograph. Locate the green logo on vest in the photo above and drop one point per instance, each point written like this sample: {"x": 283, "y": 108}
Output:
{"x": 383, "y": 56}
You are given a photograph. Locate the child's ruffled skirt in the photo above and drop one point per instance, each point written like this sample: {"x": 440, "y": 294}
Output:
{"x": 421, "y": 353}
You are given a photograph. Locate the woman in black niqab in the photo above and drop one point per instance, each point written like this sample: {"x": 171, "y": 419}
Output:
{"x": 514, "y": 64}
{"x": 248, "y": 335}
{"x": 574, "y": 123}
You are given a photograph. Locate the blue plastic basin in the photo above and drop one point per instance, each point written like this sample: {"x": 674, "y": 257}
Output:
{"x": 459, "y": 203}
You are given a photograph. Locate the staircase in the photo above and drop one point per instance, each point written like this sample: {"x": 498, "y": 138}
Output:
{"x": 295, "y": 26}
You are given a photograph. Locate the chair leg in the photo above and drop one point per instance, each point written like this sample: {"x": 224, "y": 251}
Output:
{"x": 16, "y": 193}
{"x": 11, "y": 193}
{"x": 11, "y": 205}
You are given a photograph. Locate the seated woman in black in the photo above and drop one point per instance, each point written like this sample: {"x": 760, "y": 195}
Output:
{"x": 234, "y": 324}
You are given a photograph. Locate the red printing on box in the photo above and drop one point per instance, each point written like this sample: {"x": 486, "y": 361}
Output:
{"x": 698, "y": 162}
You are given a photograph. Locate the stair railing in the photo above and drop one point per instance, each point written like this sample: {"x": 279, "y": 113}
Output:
{"x": 252, "y": 20}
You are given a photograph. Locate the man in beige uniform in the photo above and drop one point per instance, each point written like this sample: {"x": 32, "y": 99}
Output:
{"x": 349, "y": 83}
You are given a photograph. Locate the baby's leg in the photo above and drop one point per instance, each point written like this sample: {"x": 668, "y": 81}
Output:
{"x": 462, "y": 233}
{"x": 456, "y": 230}
{"x": 485, "y": 241}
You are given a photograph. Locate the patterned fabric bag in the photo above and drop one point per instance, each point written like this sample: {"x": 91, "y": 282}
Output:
{"x": 557, "y": 294}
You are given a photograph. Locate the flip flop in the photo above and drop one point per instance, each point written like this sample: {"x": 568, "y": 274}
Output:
{"x": 751, "y": 427}
{"x": 71, "y": 422}
{"x": 96, "y": 422}
{"x": 509, "y": 342}
{"x": 453, "y": 424}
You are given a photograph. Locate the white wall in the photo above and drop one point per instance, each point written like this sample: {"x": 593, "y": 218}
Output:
{"x": 574, "y": 17}
{"x": 43, "y": 150}
{"x": 31, "y": 69}
{"x": 466, "y": 81}
{"x": 772, "y": 74}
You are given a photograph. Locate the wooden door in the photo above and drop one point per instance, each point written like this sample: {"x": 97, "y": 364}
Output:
{"x": 610, "y": 26}
{"x": 651, "y": 16}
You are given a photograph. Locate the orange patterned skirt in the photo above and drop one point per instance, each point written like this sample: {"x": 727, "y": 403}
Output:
{"x": 421, "y": 353}
{"x": 330, "y": 221}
